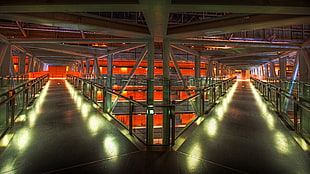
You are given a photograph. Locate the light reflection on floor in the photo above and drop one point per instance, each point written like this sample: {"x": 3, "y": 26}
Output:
{"x": 93, "y": 121}
{"x": 281, "y": 142}
{"x": 211, "y": 126}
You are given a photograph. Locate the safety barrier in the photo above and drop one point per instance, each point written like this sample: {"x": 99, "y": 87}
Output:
{"x": 292, "y": 109}
{"x": 14, "y": 101}
{"x": 139, "y": 118}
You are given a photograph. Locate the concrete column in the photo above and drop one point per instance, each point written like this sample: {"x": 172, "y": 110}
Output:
{"x": 96, "y": 69}
{"x": 220, "y": 69}
{"x": 197, "y": 82}
{"x": 166, "y": 91}
{"x": 87, "y": 66}
{"x": 224, "y": 71}
{"x": 35, "y": 65}
{"x": 150, "y": 92}
{"x": 108, "y": 103}
{"x": 21, "y": 62}
{"x": 272, "y": 70}
{"x": 210, "y": 69}
{"x": 217, "y": 71}
{"x": 304, "y": 69}
{"x": 30, "y": 64}
{"x": 266, "y": 70}
{"x": 6, "y": 66}
{"x": 82, "y": 66}
{"x": 282, "y": 64}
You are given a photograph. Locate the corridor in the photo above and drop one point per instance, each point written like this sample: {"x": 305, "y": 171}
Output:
{"x": 63, "y": 133}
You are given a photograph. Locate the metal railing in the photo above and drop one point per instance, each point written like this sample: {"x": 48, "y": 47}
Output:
{"x": 14, "y": 101}
{"x": 135, "y": 117}
{"x": 292, "y": 109}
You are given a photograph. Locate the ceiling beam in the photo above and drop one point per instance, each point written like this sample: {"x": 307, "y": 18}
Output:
{"x": 188, "y": 50}
{"x": 81, "y": 21}
{"x": 122, "y": 49}
{"x": 235, "y": 24}
{"x": 77, "y": 40}
{"x": 86, "y": 50}
{"x": 237, "y": 43}
{"x": 243, "y": 55}
{"x": 4, "y": 39}
{"x": 21, "y": 29}
{"x": 61, "y": 51}
{"x": 258, "y": 6}
{"x": 21, "y": 6}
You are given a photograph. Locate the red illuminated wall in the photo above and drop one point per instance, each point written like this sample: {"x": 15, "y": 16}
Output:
{"x": 57, "y": 71}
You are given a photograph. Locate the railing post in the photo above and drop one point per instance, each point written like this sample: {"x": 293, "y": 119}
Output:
{"x": 214, "y": 94}
{"x": 172, "y": 117}
{"x": 202, "y": 108}
{"x": 104, "y": 99}
{"x": 296, "y": 109}
{"x": 131, "y": 108}
{"x": 12, "y": 103}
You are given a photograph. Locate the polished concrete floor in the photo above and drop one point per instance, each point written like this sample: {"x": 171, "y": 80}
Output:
{"x": 62, "y": 133}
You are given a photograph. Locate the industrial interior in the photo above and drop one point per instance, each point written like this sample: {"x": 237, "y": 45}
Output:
{"x": 171, "y": 86}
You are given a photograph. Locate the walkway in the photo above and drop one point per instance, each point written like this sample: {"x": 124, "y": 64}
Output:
{"x": 62, "y": 133}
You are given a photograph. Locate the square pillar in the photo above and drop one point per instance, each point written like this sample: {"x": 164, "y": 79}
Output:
{"x": 150, "y": 93}
{"x": 282, "y": 64}
{"x": 21, "y": 62}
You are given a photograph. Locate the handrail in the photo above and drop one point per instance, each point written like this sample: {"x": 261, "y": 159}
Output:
{"x": 290, "y": 97}
{"x": 144, "y": 105}
{"x": 90, "y": 88}
{"x": 28, "y": 91}
{"x": 28, "y": 84}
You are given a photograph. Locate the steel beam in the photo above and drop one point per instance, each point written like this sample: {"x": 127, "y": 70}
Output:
{"x": 260, "y": 6}
{"x": 184, "y": 82}
{"x": 81, "y": 21}
{"x": 188, "y": 50}
{"x": 237, "y": 43}
{"x": 4, "y": 39}
{"x": 60, "y": 49}
{"x": 19, "y": 6}
{"x": 21, "y": 29}
{"x": 235, "y": 24}
{"x": 241, "y": 55}
{"x": 76, "y": 40}
{"x": 75, "y": 49}
{"x": 131, "y": 74}
{"x": 122, "y": 49}
{"x": 264, "y": 7}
